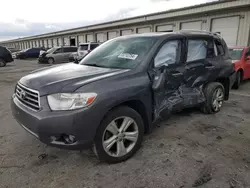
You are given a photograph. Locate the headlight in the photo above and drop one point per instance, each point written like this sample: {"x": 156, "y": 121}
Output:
{"x": 70, "y": 101}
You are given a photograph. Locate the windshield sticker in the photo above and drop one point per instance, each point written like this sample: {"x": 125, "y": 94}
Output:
{"x": 128, "y": 56}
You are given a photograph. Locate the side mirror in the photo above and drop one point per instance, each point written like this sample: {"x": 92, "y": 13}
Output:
{"x": 159, "y": 80}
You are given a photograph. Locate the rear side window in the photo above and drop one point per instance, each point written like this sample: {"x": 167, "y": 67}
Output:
{"x": 197, "y": 50}
{"x": 93, "y": 46}
{"x": 83, "y": 47}
{"x": 70, "y": 50}
{"x": 219, "y": 47}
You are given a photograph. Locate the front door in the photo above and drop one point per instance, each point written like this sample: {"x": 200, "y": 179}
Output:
{"x": 247, "y": 64}
{"x": 169, "y": 58}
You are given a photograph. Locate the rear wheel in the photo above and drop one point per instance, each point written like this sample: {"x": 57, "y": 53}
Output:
{"x": 2, "y": 63}
{"x": 51, "y": 61}
{"x": 238, "y": 80}
{"x": 119, "y": 135}
{"x": 214, "y": 93}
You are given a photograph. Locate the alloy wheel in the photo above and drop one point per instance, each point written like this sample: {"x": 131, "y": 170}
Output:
{"x": 120, "y": 136}
{"x": 218, "y": 99}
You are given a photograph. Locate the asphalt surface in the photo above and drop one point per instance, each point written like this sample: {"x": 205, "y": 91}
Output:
{"x": 188, "y": 149}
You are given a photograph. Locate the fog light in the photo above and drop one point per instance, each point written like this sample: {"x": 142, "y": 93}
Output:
{"x": 69, "y": 139}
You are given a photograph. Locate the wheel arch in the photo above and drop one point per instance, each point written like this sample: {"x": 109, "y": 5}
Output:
{"x": 139, "y": 107}
{"x": 226, "y": 83}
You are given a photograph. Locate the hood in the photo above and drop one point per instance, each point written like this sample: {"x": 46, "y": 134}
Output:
{"x": 65, "y": 78}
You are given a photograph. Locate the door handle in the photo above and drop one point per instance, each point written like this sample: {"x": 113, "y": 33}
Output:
{"x": 177, "y": 74}
{"x": 209, "y": 67}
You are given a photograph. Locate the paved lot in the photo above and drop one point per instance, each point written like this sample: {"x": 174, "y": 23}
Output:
{"x": 187, "y": 148}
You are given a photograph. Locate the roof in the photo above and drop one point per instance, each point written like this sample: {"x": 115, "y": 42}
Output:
{"x": 211, "y": 6}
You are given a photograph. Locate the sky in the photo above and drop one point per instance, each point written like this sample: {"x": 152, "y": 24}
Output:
{"x": 23, "y": 18}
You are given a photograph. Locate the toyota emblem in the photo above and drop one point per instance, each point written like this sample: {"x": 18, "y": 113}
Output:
{"x": 22, "y": 94}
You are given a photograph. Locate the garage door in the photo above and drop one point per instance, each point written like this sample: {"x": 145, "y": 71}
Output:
{"x": 81, "y": 39}
{"x": 45, "y": 43}
{"x": 144, "y": 30}
{"x": 164, "y": 28}
{"x": 112, "y": 34}
{"x": 228, "y": 28}
{"x": 34, "y": 44}
{"x": 30, "y": 44}
{"x": 54, "y": 42}
{"x": 50, "y": 43}
{"x": 41, "y": 43}
{"x": 192, "y": 25}
{"x": 37, "y": 43}
{"x": 126, "y": 32}
{"x": 90, "y": 38}
{"x": 66, "y": 41}
{"x": 100, "y": 37}
{"x": 60, "y": 42}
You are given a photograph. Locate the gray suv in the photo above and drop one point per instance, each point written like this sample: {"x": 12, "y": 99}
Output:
{"x": 119, "y": 90}
{"x": 57, "y": 55}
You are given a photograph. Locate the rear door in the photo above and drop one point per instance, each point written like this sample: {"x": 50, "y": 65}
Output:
{"x": 200, "y": 68}
{"x": 170, "y": 59}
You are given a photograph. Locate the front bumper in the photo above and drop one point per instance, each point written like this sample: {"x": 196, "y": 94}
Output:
{"x": 46, "y": 125}
{"x": 43, "y": 59}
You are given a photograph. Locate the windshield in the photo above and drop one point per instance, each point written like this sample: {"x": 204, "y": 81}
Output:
{"x": 83, "y": 47}
{"x": 51, "y": 50}
{"x": 122, "y": 53}
{"x": 236, "y": 53}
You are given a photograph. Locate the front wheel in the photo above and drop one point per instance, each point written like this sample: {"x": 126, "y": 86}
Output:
{"x": 214, "y": 93}
{"x": 2, "y": 63}
{"x": 119, "y": 135}
{"x": 51, "y": 61}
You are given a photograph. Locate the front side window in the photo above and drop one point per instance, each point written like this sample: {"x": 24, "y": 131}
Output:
{"x": 197, "y": 50}
{"x": 167, "y": 54}
{"x": 235, "y": 53}
{"x": 122, "y": 53}
{"x": 59, "y": 50}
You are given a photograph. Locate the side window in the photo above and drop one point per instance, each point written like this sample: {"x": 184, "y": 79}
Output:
{"x": 248, "y": 52}
{"x": 59, "y": 50}
{"x": 197, "y": 50}
{"x": 93, "y": 46}
{"x": 219, "y": 48}
{"x": 168, "y": 54}
{"x": 70, "y": 49}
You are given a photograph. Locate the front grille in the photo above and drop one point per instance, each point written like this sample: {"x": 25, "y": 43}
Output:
{"x": 28, "y": 97}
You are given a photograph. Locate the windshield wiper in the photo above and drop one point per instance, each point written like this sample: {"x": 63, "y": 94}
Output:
{"x": 94, "y": 65}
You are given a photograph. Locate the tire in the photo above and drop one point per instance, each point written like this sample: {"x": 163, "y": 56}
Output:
{"x": 112, "y": 154}
{"x": 238, "y": 80}
{"x": 51, "y": 60}
{"x": 2, "y": 63}
{"x": 211, "y": 94}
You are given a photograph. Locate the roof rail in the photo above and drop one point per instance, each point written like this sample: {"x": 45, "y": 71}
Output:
{"x": 199, "y": 31}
